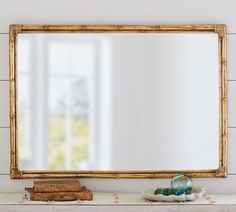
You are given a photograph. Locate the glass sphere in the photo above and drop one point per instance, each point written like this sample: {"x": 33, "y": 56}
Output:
{"x": 182, "y": 184}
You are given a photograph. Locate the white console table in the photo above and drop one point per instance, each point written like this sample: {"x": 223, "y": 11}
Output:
{"x": 117, "y": 202}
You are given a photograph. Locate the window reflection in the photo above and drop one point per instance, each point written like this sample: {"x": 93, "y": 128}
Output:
{"x": 59, "y": 91}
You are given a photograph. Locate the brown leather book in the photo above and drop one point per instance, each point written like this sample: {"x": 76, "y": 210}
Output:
{"x": 57, "y": 185}
{"x": 84, "y": 194}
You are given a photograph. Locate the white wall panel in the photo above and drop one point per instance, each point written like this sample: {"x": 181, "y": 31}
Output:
{"x": 231, "y": 151}
{"x": 4, "y": 150}
{"x": 232, "y": 104}
{"x": 231, "y": 56}
{"x": 4, "y": 74}
{"x": 4, "y": 104}
{"x": 117, "y": 12}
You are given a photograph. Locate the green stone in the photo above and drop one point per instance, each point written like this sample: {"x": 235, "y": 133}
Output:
{"x": 165, "y": 191}
{"x": 172, "y": 191}
{"x": 158, "y": 191}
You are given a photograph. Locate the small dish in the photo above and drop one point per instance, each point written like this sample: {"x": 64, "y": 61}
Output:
{"x": 196, "y": 193}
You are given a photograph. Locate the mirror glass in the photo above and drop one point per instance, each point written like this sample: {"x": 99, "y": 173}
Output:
{"x": 118, "y": 101}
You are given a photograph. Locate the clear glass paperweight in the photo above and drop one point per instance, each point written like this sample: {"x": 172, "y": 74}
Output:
{"x": 182, "y": 184}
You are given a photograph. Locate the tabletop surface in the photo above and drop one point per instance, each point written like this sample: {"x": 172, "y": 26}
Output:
{"x": 113, "y": 198}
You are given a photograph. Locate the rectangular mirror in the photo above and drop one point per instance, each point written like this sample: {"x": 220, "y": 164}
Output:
{"x": 118, "y": 101}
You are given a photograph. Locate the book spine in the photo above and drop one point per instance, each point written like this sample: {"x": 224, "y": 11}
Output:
{"x": 70, "y": 196}
{"x": 57, "y": 187}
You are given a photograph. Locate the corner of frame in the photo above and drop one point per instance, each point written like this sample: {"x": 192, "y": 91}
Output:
{"x": 15, "y": 28}
{"x": 221, "y": 172}
{"x": 15, "y": 173}
{"x": 221, "y": 29}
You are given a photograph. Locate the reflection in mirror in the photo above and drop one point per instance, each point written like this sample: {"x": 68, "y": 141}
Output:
{"x": 118, "y": 101}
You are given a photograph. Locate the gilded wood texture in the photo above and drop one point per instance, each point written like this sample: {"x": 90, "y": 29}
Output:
{"x": 214, "y": 28}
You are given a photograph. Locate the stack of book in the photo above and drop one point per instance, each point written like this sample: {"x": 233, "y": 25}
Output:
{"x": 59, "y": 190}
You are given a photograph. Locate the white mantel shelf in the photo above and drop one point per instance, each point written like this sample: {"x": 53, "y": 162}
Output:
{"x": 130, "y": 202}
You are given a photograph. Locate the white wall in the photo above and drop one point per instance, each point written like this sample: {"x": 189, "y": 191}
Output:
{"x": 117, "y": 12}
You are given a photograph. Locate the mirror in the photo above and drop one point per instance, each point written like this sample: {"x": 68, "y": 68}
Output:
{"x": 118, "y": 103}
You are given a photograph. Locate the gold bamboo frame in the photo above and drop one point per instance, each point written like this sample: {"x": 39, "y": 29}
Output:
{"x": 16, "y": 173}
